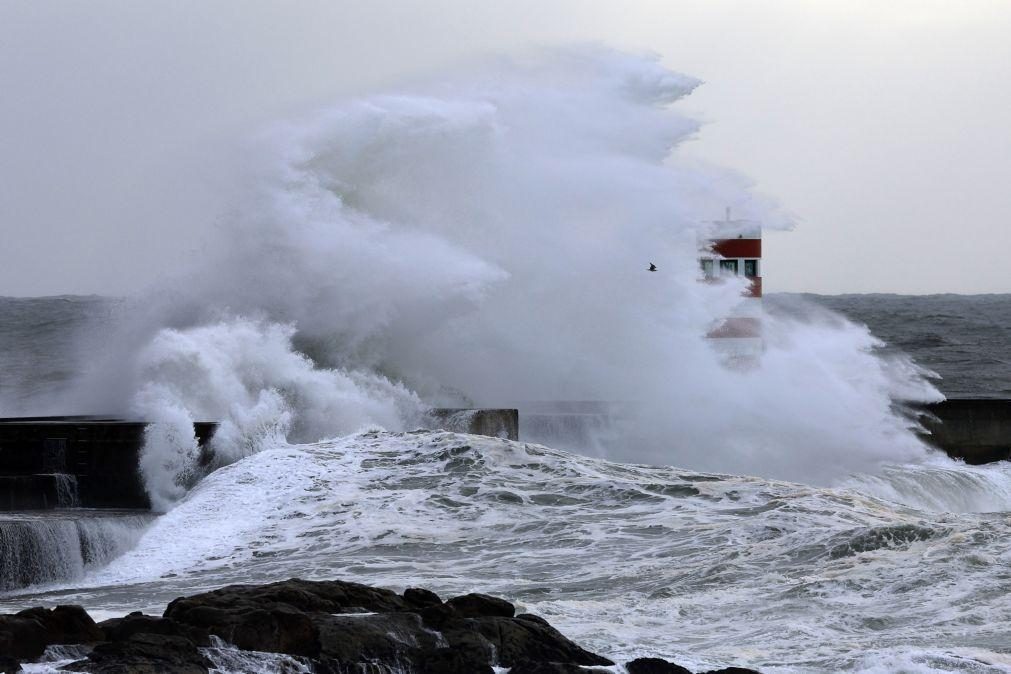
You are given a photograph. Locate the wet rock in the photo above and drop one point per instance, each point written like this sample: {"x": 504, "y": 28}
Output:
{"x": 66, "y": 624}
{"x": 276, "y": 629}
{"x": 144, "y": 654}
{"x": 121, "y": 629}
{"x": 26, "y": 634}
{"x": 278, "y": 617}
{"x": 515, "y": 640}
{"x": 417, "y": 597}
{"x": 331, "y": 626}
{"x": 654, "y": 666}
{"x": 390, "y": 637}
{"x": 527, "y": 667}
{"x": 451, "y": 661}
{"x": 301, "y": 595}
{"x": 22, "y": 638}
{"x": 476, "y": 605}
{"x": 435, "y": 617}
{"x": 534, "y": 618}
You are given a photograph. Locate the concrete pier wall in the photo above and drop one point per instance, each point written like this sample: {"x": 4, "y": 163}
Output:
{"x": 497, "y": 423}
{"x": 59, "y": 462}
{"x": 977, "y": 430}
{"x": 44, "y": 459}
{"x": 91, "y": 462}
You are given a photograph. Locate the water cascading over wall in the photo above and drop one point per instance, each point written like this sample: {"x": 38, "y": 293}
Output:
{"x": 37, "y": 548}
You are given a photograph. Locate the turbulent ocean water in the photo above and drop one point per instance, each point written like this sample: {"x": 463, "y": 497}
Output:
{"x": 483, "y": 241}
{"x": 630, "y": 560}
{"x": 964, "y": 339}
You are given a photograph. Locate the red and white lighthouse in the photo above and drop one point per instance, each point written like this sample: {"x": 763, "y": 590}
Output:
{"x": 733, "y": 248}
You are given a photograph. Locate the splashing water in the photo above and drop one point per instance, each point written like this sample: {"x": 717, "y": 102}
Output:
{"x": 482, "y": 239}
{"x": 630, "y": 560}
{"x": 478, "y": 240}
{"x": 55, "y": 547}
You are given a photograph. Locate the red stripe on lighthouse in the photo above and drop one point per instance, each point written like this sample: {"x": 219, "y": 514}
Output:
{"x": 738, "y": 247}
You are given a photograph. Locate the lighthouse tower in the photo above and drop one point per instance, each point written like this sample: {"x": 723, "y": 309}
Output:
{"x": 734, "y": 248}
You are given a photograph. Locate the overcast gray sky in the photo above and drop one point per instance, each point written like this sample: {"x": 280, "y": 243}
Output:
{"x": 881, "y": 126}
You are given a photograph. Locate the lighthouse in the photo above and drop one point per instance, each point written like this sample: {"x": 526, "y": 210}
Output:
{"x": 733, "y": 248}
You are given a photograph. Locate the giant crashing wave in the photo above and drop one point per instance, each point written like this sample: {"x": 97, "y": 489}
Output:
{"x": 483, "y": 238}
{"x": 480, "y": 239}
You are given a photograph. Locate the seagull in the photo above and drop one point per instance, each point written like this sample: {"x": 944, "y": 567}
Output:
{"x": 652, "y": 267}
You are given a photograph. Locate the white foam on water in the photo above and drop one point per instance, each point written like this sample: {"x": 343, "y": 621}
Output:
{"x": 629, "y": 560}
{"x": 226, "y": 659}
{"x": 941, "y": 484}
{"x": 55, "y": 658}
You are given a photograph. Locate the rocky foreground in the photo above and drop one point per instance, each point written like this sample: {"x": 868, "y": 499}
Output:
{"x": 329, "y": 627}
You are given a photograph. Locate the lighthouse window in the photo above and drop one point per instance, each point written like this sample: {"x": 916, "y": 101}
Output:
{"x": 751, "y": 268}
{"x": 707, "y": 268}
{"x": 728, "y": 267}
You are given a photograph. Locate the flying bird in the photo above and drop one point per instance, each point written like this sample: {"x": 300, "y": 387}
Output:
{"x": 652, "y": 267}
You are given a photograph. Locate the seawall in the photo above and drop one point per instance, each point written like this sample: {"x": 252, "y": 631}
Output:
{"x": 91, "y": 462}
{"x": 977, "y": 430}
{"x": 494, "y": 422}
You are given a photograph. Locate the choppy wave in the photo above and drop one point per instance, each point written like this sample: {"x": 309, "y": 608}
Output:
{"x": 629, "y": 559}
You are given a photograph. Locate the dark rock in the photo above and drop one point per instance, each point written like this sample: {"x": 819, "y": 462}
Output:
{"x": 278, "y": 629}
{"x": 532, "y": 617}
{"x": 9, "y": 665}
{"x": 476, "y": 605}
{"x": 451, "y": 661}
{"x": 22, "y": 638}
{"x": 279, "y": 617}
{"x": 531, "y": 667}
{"x": 516, "y": 640}
{"x": 732, "y": 670}
{"x": 65, "y": 624}
{"x": 26, "y": 634}
{"x": 144, "y": 654}
{"x": 341, "y": 627}
{"x": 303, "y": 595}
{"x": 437, "y": 616}
{"x": 654, "y": 666}
{"x": 460, "y": 636}
{"x": 376, "y": 637}
{"x": 276, "y": 617}
{"x": 417, "y": 597}
{"x": 120, "y": 629}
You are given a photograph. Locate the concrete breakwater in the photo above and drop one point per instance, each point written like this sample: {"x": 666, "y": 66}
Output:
{"x": 72, "y": 497}
{"x": 977, "y": 430}
{"x": 58, "y": 462}
{"x": 493, "y": 422}
{"x": 91, "y": 462}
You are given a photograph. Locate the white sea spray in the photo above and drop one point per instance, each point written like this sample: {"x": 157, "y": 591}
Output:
{"x": 481, "y": 239}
